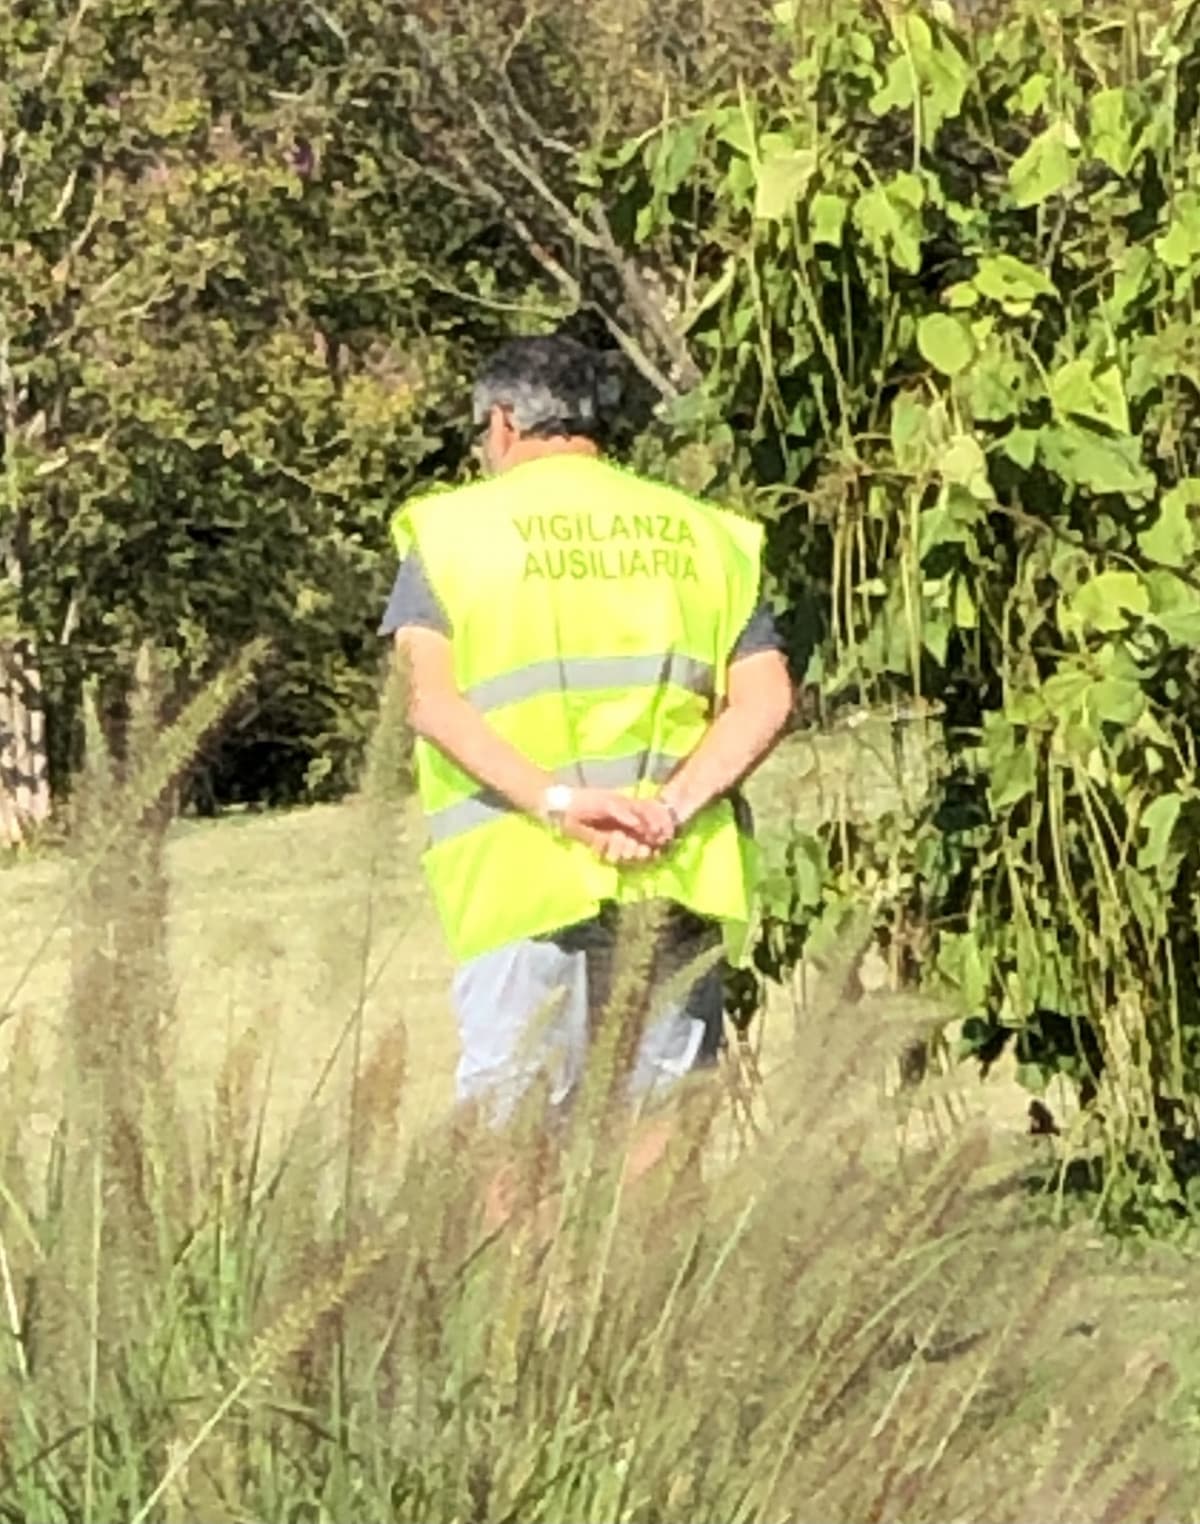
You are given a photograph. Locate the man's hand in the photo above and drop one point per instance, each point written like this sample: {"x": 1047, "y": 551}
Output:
{"x": 617, "y": 847}
{"x": 641, "y": 822}
{"x": 617, "y": 828}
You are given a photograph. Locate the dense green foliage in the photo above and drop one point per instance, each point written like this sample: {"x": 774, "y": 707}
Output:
{"x": 948, "y": 348}
{"x": 216, "y": 379}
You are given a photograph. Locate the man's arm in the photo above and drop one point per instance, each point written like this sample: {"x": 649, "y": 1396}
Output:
{"x": 607, "y": 822}
{"x": 759, "y": 705}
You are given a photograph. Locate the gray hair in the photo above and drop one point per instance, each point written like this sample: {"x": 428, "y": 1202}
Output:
{"x": 551, "y": 386}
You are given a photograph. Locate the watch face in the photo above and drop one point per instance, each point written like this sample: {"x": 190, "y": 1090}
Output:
{"x": 558, "y": 798}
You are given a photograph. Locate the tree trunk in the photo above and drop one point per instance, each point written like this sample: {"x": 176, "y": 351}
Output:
{"x": 24, "y": 770}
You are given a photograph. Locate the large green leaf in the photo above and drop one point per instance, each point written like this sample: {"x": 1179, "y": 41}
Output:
{"x": 945, "y": 77}
{"x": 1115, "y": 700}
{"x": 1158, "y": 821}
{"x": 964, "y": 464}
{"x": 1112, "y": 129}
{"x": 911, "y": 434}
{"x": 936, "y": 629}
{"x": 928, "y": 72}
{"x": 1011, "y": 763}
{"x": 1180, "y": 244}
{"x": 998, "y": 387}
{"x": 1046, "y": 167}
{"x": 1091, "y": 390}
{"x": 1107, "y": 601}
{"x": 783, "y": 177}
{"x": 827, "y": 218}
{"x": 1171, "y": 538}
{"x": 678, "y": 151}
{"x": 1031, "y": 97}
{"x": 1006, "y": 279}
{"x": 965, "y": 960}
{"x": 1063, "y": 692}
{"x": 935, "y": 527}
{"x": 945, "y": 342}
{"x": 1021, "y": 446}
{"x": 1086, "y": 459}
{"x": 1131, "y": 278}
{"x": 1175, "y": 607}
{"x": 952, "y": 520}
{"x": 890, "y": 218}
{"x": 963, "y": 605}
{"x": 732, "y": 126}
{"x": 899, "y": 87}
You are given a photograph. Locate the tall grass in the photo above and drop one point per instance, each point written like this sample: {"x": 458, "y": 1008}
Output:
{"x": 194, "y": 1328}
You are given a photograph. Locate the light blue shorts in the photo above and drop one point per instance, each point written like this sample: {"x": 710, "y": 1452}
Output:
{"x": 527, "y": 1011}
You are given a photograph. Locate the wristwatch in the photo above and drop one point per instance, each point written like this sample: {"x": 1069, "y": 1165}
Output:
{"x": 556, "y": 801}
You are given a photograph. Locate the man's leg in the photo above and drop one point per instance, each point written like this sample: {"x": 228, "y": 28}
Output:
{"x": 678, "y": 1040}
{"x": 660, "y": 979}
{"x": 522, "y": 1020}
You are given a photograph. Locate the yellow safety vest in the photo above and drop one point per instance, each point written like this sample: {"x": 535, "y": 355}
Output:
{"x": 593, "y": 617}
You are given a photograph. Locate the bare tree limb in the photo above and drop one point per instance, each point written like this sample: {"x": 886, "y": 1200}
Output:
{"x": 70, "y": 620}
{"x": 496, "y": 198}
{"x": 489, "y": 303}
{"x": 643, "y": 302}
{"x": 53, "y": 56}
{"x": 638, "y": 358}
{"x": 531, "y": 123}
{"x": 567, "y": 282}
{"x": 598, "y": 238}
{"x": 517, "y": 162}
{"x": 520, "y": 110}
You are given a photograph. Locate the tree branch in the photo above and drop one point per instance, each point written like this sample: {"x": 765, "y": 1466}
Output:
{"x": 641, "y": 299}
{"x": 527, "y": 118}
{"x": 598, "y": 238}
{"x": 526, "y": 170}
{"x": 632, "y": 350}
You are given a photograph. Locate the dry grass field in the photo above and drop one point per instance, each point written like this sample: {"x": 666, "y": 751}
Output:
{"x": 285, "y": 930}
{"x": 281, "y": 929}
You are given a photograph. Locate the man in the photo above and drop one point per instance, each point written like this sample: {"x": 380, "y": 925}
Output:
{"x": 592, "y": 674}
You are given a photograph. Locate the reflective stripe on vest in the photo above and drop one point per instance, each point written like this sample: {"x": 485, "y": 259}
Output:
{"x": 589, "y": 674}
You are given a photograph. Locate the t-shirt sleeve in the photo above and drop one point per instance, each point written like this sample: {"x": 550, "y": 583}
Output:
{"x": 761, "y": 633}
{"x": 413, "y": 602}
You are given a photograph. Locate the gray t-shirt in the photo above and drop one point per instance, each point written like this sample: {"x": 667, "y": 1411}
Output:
{"x": 414, "y": 603}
